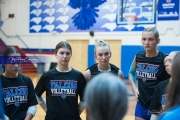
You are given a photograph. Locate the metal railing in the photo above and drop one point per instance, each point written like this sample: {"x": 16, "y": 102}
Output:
{"x": 19, "y": 38}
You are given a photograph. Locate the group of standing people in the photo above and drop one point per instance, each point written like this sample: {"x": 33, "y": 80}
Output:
{"x": 154, "y": 71}
{"x": 103, "y": 95}
{"x": 62, "y": 84}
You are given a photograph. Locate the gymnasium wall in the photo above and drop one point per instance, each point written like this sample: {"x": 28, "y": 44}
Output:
{"x": 129, "y": 42}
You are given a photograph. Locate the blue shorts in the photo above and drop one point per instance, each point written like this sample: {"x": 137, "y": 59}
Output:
{"x": 142, "y": 112}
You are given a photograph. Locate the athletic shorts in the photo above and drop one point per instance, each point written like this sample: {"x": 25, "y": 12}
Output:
{"x": 142, "y": 111}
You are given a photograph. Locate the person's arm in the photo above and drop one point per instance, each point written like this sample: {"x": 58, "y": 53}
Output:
{"x": 29, "y": 116}
{"x": 132, "y": 74}
{"x": 43, "y": 105}
{"x": 41, "y": 102}
{"x": 120, "y": 74}
{"x": 81, "y": 107}
{"x": 154, "y": 117}
{"x": 81, "y": 85}
{"x": 40, "y": 88}
{"x": 6, "y": 117}
{"x": 32, "y": 101}
{"x": 155, "y": 106}
{"x": 31, "y": 112}
{"x": 87, "y": 75}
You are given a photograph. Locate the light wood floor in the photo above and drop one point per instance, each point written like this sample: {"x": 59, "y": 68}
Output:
{"x": 40, "y": 113}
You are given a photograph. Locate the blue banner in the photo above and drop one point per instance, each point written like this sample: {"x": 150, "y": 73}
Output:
{"x": 58, "y": 16}
{"x": 168, "y": 10}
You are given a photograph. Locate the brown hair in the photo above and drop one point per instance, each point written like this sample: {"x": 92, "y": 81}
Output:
{"x": 63, "y": 44}
{"x": 8, "y": 51}
{"x": 173, "y": 88}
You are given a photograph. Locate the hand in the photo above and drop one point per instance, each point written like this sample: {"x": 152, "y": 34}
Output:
{"x": 136, "y": 93}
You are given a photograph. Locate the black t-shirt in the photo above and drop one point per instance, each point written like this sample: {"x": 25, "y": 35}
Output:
{"x": 62, "y": 90}
{"x": 18, "y": 95}
{"x": 94, "y": 70}
{"x": 150, "y": 71}
{"x": 159, "y": 96}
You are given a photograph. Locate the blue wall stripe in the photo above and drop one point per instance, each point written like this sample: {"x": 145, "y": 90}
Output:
{"x": 127, "y": 56}
{"x": 168, "y": 49}
{"x": 91, "y": 59}
{"x": 129, "y": 51}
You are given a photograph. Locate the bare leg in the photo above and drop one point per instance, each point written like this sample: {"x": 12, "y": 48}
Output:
{"x": 137, "y": 118}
